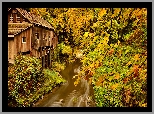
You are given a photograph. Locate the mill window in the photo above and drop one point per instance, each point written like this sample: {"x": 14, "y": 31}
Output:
{"x": 23, "y": 39}
{"x": 37, "y": 35}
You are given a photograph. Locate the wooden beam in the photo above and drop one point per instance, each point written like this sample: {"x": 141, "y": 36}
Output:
{"x": 14, "y": 18}
{"x": 11, "y": 36}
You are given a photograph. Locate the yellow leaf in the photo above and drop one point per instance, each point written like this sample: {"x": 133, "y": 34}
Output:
{"x": 136, "y": 57}
{"x": 105, "y": 41}
{"x": 91, "y": 34}
{"x": 116, "y": 45}
{"x": 118, "y": 42}
{"x": 102, "y": 12}
{"x": 111, "y": 45}
{"x": 90, "y": 80}
{"x": 97, "y": 63}
{"x": 128, "y": 63}
{"x": 99, "y": 45}
{"x": 113, "y": 15}
{"x": 86, "y": 34}
{"x": 144, "y": 105}
{"x": 95, "y": 25}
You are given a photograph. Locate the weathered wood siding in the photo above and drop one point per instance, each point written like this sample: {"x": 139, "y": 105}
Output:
{"x": 45, "y": 37}
{"x": 40, "y": 47}
{"x": 20, "y": 46}
{"x": 54, "y": 41}
{"x": 10, "y": 48}
{"x": 14, "y": 12}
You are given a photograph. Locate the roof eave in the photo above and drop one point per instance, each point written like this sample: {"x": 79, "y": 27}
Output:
{"x": 50, "y": 28}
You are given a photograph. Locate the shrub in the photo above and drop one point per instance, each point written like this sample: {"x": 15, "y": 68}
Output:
{"x": 121, "y": 80}
{"x": 27, "y": 82}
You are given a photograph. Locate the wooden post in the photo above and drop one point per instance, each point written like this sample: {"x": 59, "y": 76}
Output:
{"x": 21, "y": 18}
{"x": 41, "y": 55}
{"x": 49, "y": 58}
{"x": 14, "y": 16}
{"x": 43, "y": 59}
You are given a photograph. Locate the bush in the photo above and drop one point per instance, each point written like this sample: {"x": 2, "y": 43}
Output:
{"x": 58, "y": 66}
{"x": 27, "y": 82}
{"x": 121, "y": 80}
{"x": 51, "y": 79}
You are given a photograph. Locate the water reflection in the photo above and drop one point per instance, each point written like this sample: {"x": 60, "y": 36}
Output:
{"x": 77, "y": 70}
{"x": 69, "y": 95}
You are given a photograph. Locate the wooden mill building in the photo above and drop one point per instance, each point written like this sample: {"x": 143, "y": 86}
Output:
{"x": 31, "y": 35}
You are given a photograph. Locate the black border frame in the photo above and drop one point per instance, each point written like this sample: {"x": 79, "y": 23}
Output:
{"x": 6, "y": 5}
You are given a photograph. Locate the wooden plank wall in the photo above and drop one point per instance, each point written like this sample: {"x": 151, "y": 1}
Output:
{"x": 42, "y": 41}
{"x": 33, "y": 44}
{"x": 11, "y": 48}
{"x": 23, "y": 47}
{"x": 14, "y": 16}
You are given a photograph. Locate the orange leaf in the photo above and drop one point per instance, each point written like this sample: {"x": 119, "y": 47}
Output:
{"x": 125, "y": 80}
{"x": 135, "y": 68}
{"x": 100, "y": 80}
{"x": 111, "y": 51}
{"x": 117, "y": 76}
{"x": 114, "y": 86}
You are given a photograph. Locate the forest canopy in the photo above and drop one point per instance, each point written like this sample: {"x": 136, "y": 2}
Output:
{"x": 114, "y": 44}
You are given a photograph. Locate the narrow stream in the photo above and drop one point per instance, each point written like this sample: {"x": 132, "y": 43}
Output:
{"x": 67, "y": 95}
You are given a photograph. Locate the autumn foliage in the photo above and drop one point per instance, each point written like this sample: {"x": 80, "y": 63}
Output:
{"x": 28, "y": 82}
{"x": 114, "y": 44}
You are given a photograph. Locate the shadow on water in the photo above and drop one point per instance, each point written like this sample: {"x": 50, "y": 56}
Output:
{"x": 68, "y": 95}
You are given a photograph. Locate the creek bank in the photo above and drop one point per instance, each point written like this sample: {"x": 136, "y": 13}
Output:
{"x": 68, "y": 95}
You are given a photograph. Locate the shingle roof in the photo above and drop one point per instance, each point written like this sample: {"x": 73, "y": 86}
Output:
{"x": 15, "y": 28}
{"x": 34, "y": 19}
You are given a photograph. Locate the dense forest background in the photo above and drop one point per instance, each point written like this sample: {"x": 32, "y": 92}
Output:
{"x": 113, "y": 43}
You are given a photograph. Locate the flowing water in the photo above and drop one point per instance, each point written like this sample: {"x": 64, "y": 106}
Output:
{"x": 68, "y": 95}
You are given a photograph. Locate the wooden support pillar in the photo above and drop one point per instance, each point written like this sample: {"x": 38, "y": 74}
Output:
{"x": 42, "y": 61}
{"x": 46, "y": 61}
{"x": 44, "y": 57}
{"x": 49, "y": 59}
{"x": 21, "y": 18}
{"x": 41, "y": 56}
